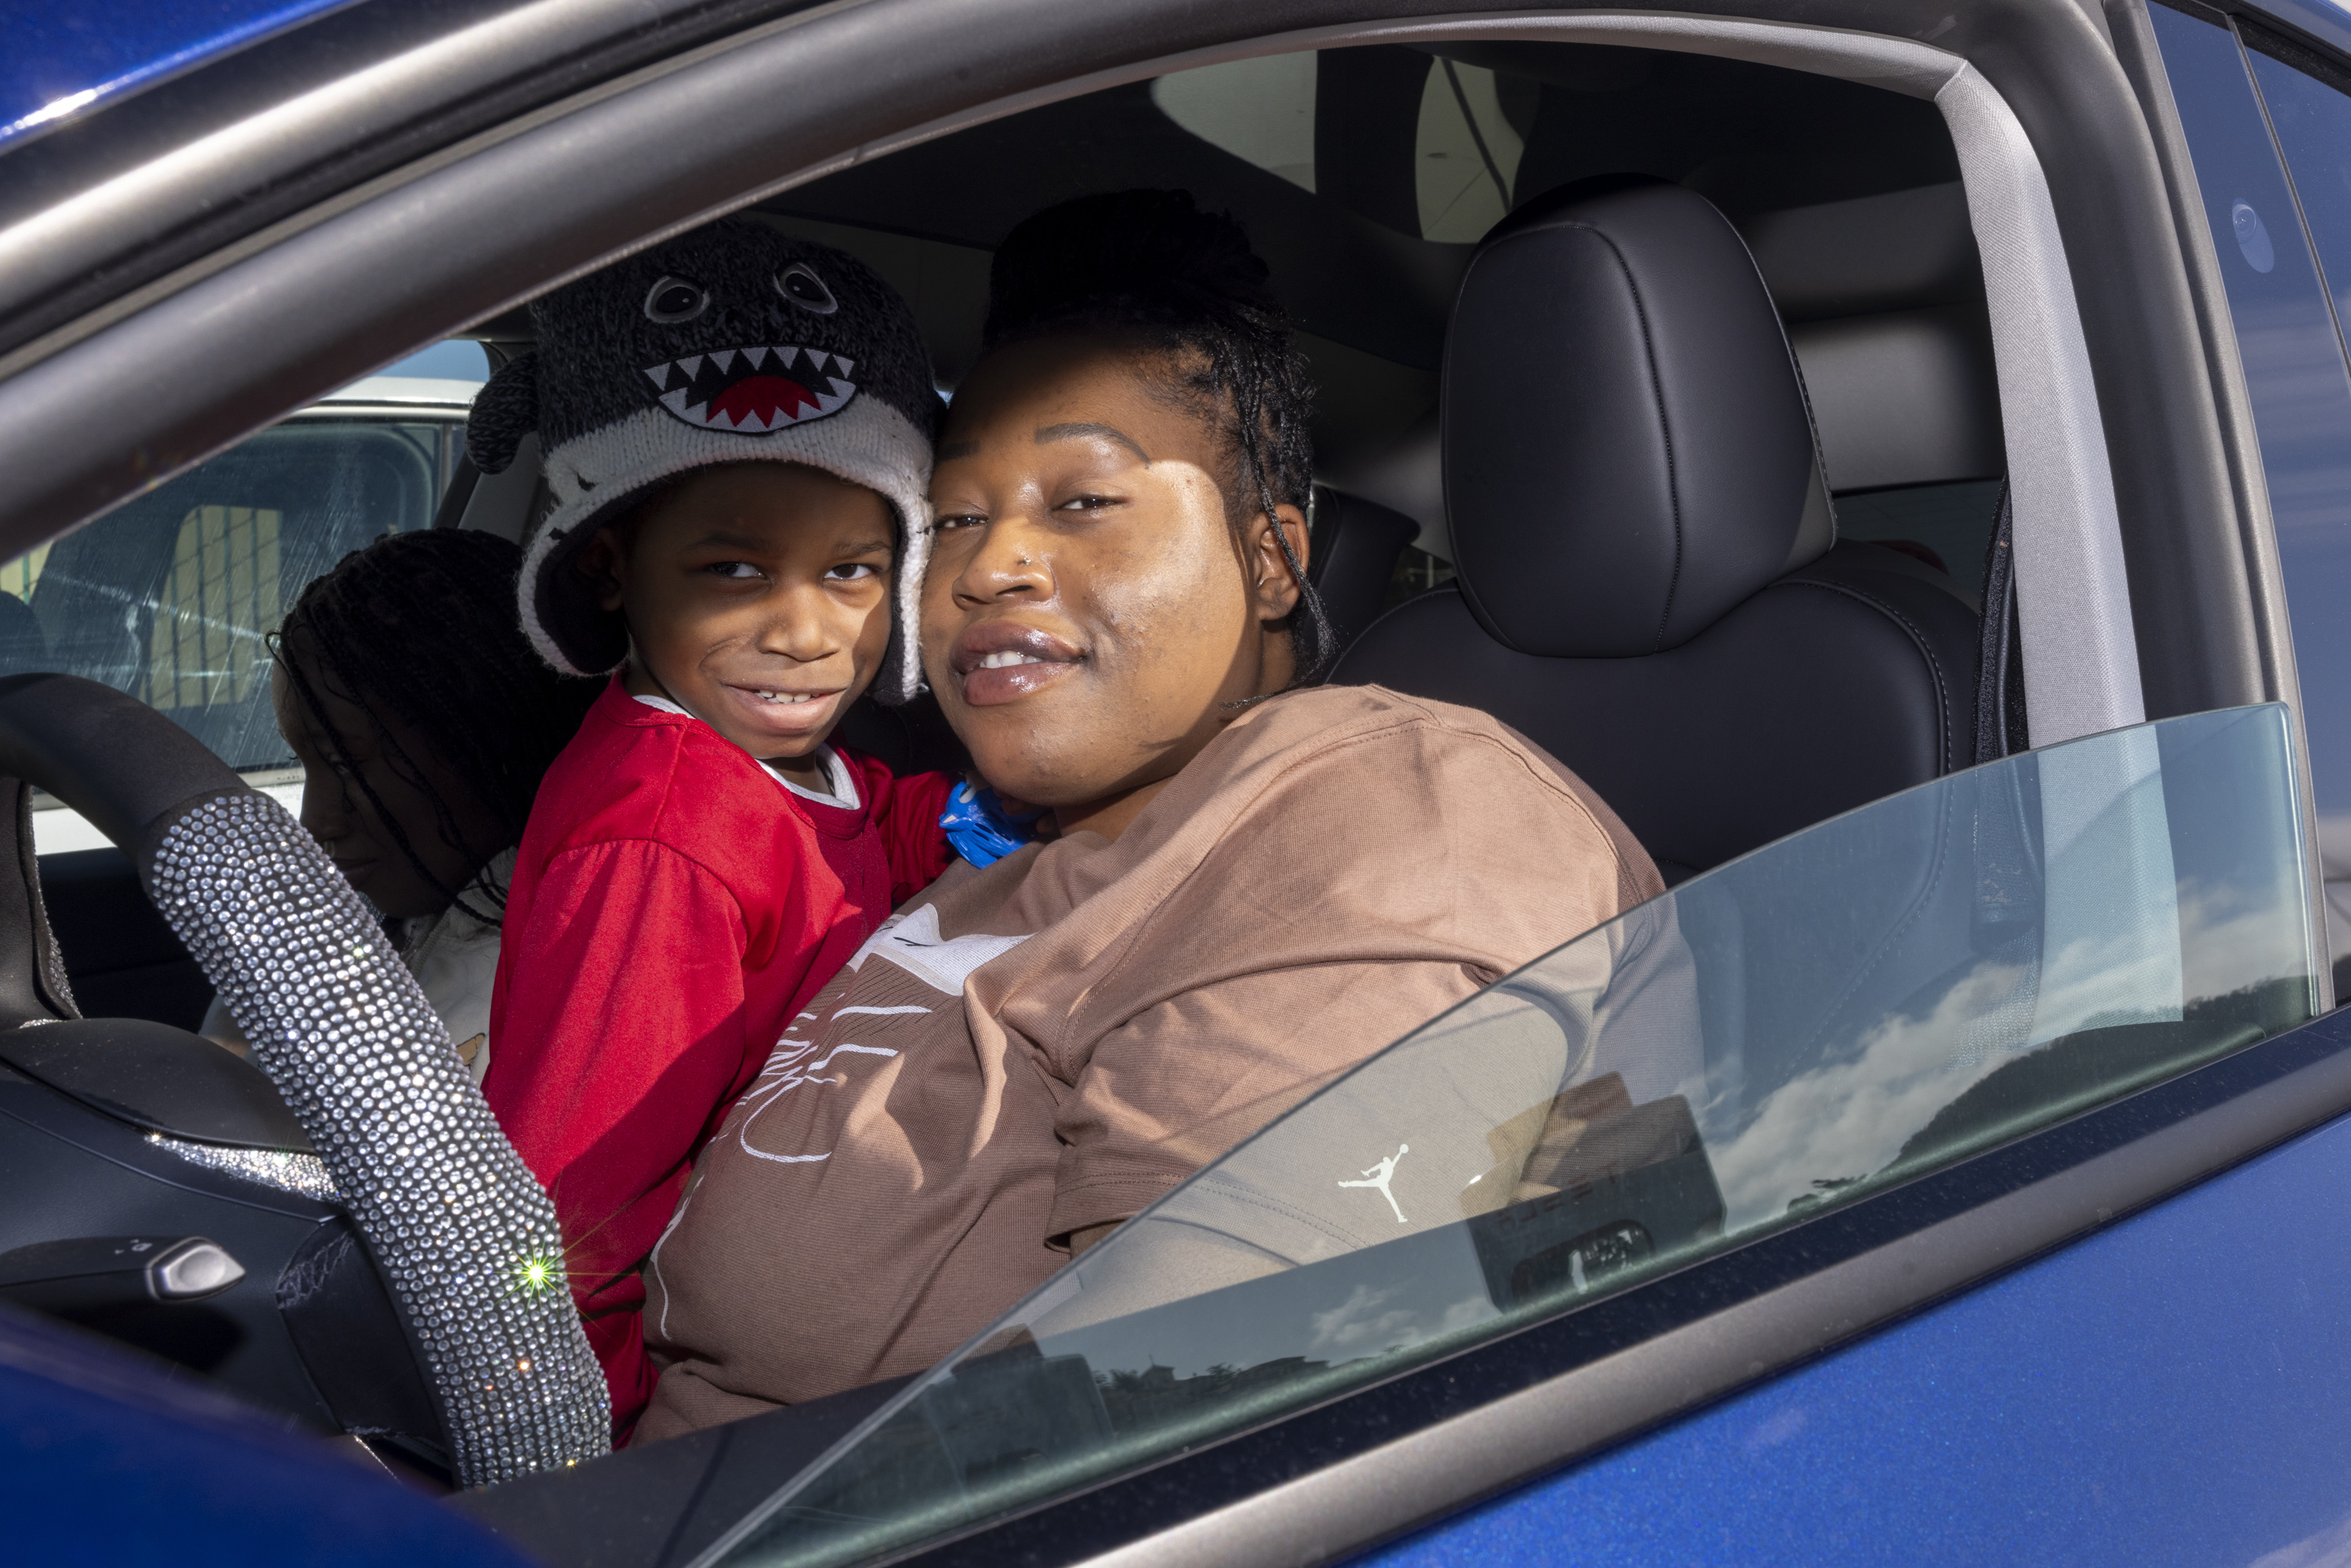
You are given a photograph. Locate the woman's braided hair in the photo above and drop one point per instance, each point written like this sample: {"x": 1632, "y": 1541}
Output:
{"x": 1150, "y": 266}
{"x": 421, "y": 628}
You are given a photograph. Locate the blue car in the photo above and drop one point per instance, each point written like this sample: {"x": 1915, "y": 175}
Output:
{"x": 1986, "y": 1212}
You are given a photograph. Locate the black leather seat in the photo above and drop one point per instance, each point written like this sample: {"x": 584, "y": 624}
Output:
{"x": 1650, "y": 587}
{"x": 1353, "y": 558}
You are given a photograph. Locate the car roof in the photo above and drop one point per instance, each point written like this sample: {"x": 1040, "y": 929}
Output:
{"x": 57, "y": 64}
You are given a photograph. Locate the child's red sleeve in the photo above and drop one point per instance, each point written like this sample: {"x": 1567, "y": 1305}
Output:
{"x": 907, "y": 818}
{"x": 617, "y": 1040}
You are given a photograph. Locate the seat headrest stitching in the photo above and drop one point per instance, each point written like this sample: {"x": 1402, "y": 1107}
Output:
{"x": 1665, "y": 434}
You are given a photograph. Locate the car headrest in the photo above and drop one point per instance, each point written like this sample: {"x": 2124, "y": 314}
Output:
{"x": 1628, "y": 450}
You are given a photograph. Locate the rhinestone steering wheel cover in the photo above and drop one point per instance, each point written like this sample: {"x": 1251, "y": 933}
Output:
{"x": 463, "y": 1233}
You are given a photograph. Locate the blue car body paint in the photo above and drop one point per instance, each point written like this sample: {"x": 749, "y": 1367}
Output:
{"x": 62, "y": 60}
{"x": 2174, "y": 1389}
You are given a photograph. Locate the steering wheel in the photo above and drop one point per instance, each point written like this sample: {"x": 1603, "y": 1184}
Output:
{"x": 351, "y": 1233}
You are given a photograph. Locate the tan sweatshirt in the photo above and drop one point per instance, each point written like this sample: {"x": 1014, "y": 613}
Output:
{"x": 1058, "y": 1040}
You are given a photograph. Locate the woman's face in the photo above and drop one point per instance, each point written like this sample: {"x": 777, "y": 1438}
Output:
{"x": 1088, "y": 616}
{"x": 338, "y": 813}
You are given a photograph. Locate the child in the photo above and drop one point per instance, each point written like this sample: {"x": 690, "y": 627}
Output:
{"x": 424, "y": 723}
{"x": 737, "y": 430}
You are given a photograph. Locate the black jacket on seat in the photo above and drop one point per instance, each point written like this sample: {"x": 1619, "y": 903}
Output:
{"x": 1649, "y": 587}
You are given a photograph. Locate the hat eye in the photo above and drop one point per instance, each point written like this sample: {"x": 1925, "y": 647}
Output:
{"x": 676, "y": 300}
{"x": 804, "y": 288}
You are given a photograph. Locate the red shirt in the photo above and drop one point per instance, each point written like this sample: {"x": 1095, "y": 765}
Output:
{"x": 673, "y": 908}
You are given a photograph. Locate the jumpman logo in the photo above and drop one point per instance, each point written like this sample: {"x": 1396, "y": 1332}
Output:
{"x": 1380, "y": 1175}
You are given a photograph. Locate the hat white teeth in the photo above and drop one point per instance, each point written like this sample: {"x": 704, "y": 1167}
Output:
{"x": 751, "y": 416}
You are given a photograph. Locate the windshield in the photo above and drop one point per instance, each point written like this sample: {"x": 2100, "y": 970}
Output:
{"x": 1862, "y": 1002}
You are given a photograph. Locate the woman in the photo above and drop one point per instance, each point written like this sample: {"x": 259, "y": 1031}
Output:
{"x": 1256, "y": 886}
{"x": 424, "y": 723}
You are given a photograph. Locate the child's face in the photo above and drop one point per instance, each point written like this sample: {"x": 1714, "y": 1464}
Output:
{"x": 350, "y": 746}
{"x": 758, "y": 597}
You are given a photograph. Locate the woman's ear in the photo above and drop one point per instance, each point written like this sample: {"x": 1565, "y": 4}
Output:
{"x": 1276, "y": 589}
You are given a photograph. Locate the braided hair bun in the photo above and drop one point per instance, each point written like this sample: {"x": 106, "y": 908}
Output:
{"x": 1184, "y": 284}
{"x": 1144, "y": 249}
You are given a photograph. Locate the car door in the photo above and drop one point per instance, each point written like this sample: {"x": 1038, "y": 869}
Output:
{"x": 652, "y": 129}
{"x": 1650, "y": 1168}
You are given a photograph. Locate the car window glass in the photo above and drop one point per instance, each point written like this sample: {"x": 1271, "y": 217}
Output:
{"x": 2311, "y": 118}
{"x": 1894, "y": 989}
{"x": 172, "y": 596}
{"x": 1467, "y": 127}
{"x": 2294, "y": 369}
{"x": 1260, "y": 110}
{"x": 1466, "y": 149}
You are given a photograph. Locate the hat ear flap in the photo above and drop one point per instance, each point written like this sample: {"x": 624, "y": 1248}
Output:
{"x": 505, "y": 412}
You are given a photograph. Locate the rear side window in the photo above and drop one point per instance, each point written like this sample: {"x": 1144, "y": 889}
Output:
{"x": 2265, "y": 211}
{"x": 173, "y": 597}
{"x": 1894, "y": 990}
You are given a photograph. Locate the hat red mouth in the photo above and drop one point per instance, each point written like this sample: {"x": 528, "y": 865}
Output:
{"x": 747, "y": 392}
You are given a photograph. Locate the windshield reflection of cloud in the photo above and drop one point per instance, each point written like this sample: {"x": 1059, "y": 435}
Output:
{"x": 1851, "y": 1117}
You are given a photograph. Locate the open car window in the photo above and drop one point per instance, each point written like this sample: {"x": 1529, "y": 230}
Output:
{"x": 1870, "y": 1000}
{"x": 173, "y": 597}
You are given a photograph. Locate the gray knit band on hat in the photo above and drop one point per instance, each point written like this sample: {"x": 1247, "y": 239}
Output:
{"x": 730, "y": 344}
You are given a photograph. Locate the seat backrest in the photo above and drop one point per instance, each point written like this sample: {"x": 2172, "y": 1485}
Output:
{"x": 1356, "y": 544}
{"x": 1649, "y": 583}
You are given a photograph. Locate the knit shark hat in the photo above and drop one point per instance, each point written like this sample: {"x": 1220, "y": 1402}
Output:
{"x": 731, "y": 343}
